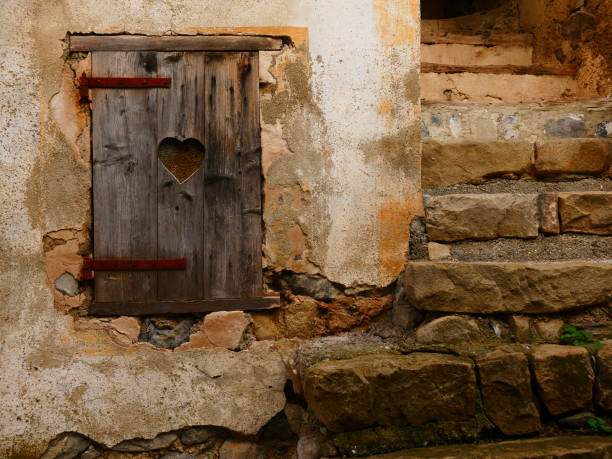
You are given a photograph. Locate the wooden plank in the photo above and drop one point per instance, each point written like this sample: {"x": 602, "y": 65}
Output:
{"x": 478, "y": 40}
{"x": 181, "y": 205}
{"x": 250, "y": 174}
{"x": 182, "y": 307}
{"x": 124, "y": 176}
{"x": 174, "y": 43}
{"x": 223, "y": 211}
{"x": 566, "y": 70}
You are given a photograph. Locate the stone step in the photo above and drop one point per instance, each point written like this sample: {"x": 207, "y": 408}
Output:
{"x": 374, "y": 401}
{"x": 507, "y": 288}
{"x": 476, "y": 54}
{"x": 450, "y": 163}
{"x": 456, "y": 217}
{"x": 483, "y": 88}
{"x": 534, "y": 122}
{"x": 584, "y": 447}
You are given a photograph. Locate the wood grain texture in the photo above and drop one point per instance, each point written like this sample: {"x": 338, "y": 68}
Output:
{"x": 124, "y": 176}
{"x": 222, "y": 215}
{"x": 180, "y": 208}
{"x": 251, "y": 177}
{"x": 566, "y": 70}
{"x": 182, "y": 307}
{"x": 213, "y": 218}
{"x": 176, "y": 43}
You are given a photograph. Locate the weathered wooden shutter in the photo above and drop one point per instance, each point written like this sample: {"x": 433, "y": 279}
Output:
{"x": 142, "y": 211}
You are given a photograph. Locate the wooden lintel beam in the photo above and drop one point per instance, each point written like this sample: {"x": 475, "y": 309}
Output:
{"x": 181, "y": 307}
{"x": 566, "y": 70}
{"x": 430, "y": 38}
{"x": 174, "y": 43}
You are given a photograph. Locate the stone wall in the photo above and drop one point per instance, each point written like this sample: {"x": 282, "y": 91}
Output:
{"x": 377, "y": 402}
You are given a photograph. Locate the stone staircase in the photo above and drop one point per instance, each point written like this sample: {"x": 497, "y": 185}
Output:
{"x": 472, "y": 397}
{"x": 515, "y": 244}
{"x": 458, "y": 68}
{"x": 516, "y": 167}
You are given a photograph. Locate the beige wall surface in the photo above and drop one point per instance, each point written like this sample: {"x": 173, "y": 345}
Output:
{"x": 341, "y": 158}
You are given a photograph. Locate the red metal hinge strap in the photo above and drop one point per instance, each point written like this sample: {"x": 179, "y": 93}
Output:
{"x": 86, "y": 82}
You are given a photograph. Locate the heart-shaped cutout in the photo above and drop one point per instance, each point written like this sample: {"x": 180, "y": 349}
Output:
{"x": 182, "y": 159}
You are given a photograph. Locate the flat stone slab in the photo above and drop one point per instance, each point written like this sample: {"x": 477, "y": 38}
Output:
{"x": 384, "y": 389}
{"x": 572, "y": 156}
{"x": 585, "y": 447}
{"x": 446, "y": 163}
{"x": 589, "y": 213}
{"x": 489, "y": 288}
{"x": 455, "y": 217}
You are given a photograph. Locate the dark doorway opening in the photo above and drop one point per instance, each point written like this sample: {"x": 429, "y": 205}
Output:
{"x": 446, "y": 9}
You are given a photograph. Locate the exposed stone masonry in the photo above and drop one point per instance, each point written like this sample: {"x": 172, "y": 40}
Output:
{"x": 504, "y": 288}
{"x": 358, "y": 398}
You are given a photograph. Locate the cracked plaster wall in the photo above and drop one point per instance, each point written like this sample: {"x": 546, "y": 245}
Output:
{"x": 341, "y": 159}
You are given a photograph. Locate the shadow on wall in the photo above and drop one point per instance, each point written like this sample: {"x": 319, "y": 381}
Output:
{"x": 445, "y": 9}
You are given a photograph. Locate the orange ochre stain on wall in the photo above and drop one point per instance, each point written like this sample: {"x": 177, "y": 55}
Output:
{"x": 298, "y": 35}
{"x": 393, "y": 220}
{"x": 385, "y": 106}
{"x": 397, "y": 22}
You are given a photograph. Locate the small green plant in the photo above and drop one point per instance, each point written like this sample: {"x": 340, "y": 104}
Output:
{"x": 599, "y": 425}
{"x": 578, "y": 337}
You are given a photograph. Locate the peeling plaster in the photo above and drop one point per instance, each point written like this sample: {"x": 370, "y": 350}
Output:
{"x": 331, "y": 207}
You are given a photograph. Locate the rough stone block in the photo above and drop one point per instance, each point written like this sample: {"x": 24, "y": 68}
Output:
{"x": 225, "y": 328}
{"x": 604, "y": 129}
{"x": 485, "y": 288}
{"x": 449, "y": 330}
{"x": 67, "y": 284}
{"x": 312, "y": 285}
{"x": 564, "y": 376}
{"x": 196, "y": 435}
{"x": 299, "y": 318}
{"x": 166, "y": 333}
{"x": 506, "y": 390}
{"x": 603, "y": 386}
{"x": 572, "y": 157}
{"x": 265, "y": 327}
{"x": 124, "y": 330}
{"x": 589, "y": 213}
{"x": 548, "y": 205}
{"x": 464, "y": 54}
{"x": 438, "y": 251}
{"x": 501, "y": 89}
{"x": 381, "y": 389}
{"x": 571, "y": 125}
{"x": 445, "y": 164}
{"x": 521, "y": 328}
{"x": 550, "y": 331}
{"x": 67, "y": 446}
{"x": 455, "y": 217}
